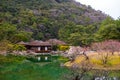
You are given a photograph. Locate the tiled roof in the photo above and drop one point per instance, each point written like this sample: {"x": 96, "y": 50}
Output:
{"x": 42, "y": 43}
{"x": 56, "y": 42}
{"x": 39, "y": 43}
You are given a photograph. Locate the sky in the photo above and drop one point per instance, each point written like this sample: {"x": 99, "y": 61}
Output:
{"x": 110, "y": 7}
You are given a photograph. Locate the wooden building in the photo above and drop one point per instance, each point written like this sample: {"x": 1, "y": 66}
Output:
{"x": 37, "y": 46}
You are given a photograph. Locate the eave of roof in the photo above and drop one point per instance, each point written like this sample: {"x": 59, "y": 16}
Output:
{"x": 38, "y": 43}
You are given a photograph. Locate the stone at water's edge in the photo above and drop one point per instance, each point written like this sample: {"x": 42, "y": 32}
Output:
{"x": 74, "y": 50}
{"x": 106, "y": 78}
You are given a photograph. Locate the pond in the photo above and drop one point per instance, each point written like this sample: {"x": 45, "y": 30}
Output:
{"x": 40, "y": 58}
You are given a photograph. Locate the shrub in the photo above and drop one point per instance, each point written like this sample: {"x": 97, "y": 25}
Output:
{"x": 54, "y": 47}
{"x": 17, "y": 47}
{"x": 63, "y": 48}
{"x": 9, "y": 59}
{"x": 5, "y": 45}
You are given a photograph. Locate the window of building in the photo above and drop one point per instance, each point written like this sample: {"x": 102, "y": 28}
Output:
{"x": 46, "y": 48}
{"x": 39, "y": 48}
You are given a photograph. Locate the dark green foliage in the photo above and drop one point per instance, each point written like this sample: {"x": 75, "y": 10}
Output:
{"x": 85, "y": 35}
{"x": 9, "y": 32}
{"x": 21, "y": 36}
{"x": 55, "y": 47}
{"x": 5, "y": 45}
{"x": 10, "y": 59}
{"x": 17, "y": 47}
{"x": 42, "y": 19}
{"x": 64, "y": 19}
{"x": 78, "y": 34}
{"x": 109, "y": 29}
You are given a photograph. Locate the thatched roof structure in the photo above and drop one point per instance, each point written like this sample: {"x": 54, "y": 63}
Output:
{"x": 35, "y": 43}
{"x": 39, "y": 43}
{"x": 56, "y": 42}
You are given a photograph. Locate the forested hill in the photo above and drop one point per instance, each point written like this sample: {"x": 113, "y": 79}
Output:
{"x": 44, "y": 19}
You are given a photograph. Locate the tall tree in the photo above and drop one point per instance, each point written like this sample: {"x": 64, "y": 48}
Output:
{"x": 109, "y": 31}
{"x": 7, "y": 31}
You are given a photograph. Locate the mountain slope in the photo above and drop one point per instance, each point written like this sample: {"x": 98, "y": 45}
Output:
{"x": 44, "y": 18}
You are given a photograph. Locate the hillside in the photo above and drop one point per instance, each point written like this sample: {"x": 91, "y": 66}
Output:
{"x": 44, "y": 18}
